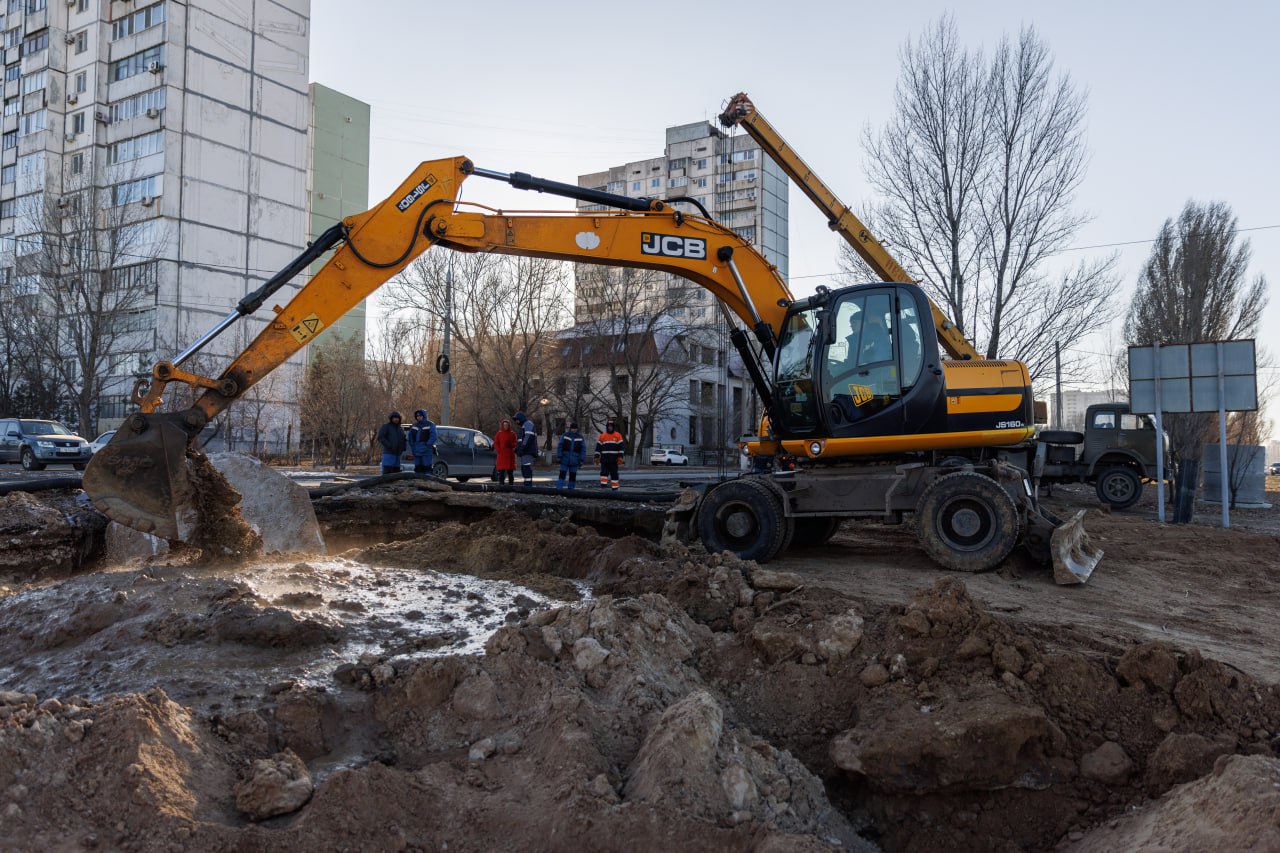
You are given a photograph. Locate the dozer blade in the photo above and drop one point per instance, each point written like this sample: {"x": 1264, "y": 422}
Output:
{"x": 141, "y": 479}
{"x": 1073, "y": 557}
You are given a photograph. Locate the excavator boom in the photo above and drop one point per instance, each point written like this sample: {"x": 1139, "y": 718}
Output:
{"x": 140, "y": 478}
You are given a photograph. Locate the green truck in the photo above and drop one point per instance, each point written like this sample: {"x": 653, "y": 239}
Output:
{"x": 1116, "y": 453}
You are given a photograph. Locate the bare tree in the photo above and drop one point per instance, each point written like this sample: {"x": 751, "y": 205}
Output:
{"x": 26, "y": 386}
{"x": 977, "y": 169}
{"x": 504, "y": 318}
{"x": 90, "y": 255}
{"x": 1194, "y": 287}
{"x": 631, "y": 359}
{"x": 335, "y": 411}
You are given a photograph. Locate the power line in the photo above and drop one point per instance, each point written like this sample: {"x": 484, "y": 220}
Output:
{"x": 1068, "y": 249}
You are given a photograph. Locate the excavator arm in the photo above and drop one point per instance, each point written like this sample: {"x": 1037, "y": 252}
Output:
{"x": 741, "y": 112}
{"x": 141, "y": 478}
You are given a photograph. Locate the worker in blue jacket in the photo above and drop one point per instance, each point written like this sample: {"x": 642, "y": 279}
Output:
{"x": 422, "y": 442}
{"x": 572, "y": 451}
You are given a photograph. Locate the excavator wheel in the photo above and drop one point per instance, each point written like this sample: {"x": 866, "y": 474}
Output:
{"x": 1120, "y": 487}
{"x": 967, "y": 522}
{"x": 743, "y": 517}
{"x": 812, "y": 532}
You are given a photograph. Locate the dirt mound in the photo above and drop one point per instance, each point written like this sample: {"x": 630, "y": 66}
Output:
{"x": 43, "y": 539}
{"x": 1236, "y": 807}
{"x": 508, "y": 545}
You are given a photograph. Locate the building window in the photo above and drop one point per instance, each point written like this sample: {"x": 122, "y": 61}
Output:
{"x": 77, "y": 123}
{"x": 702, "y": 162}
{"x": 82, "y": 82}
{"x": 138, "y": 105}
{"x": 32, "y": 122}
{"x": 13, "y": 37}
{"x": 681, "y": 181}
{"x": 82, "y": 41}
{"x": 10, "y": 106}
{"x": 137, "y": 190}
{"x": 12, "y": 72}
{"x": 614, "y": 187}
{"x": 138, "y": 146}
{"x": 138, "y": 21}
{"x": 702, "y": 183}
{"x": 35, "y": 43}
{"x": 33, "y": 82}
{"x": 693, "y": 429}
{"x": 8, "y": 174}
{"x": 678, "y": 163}
{"x": 655, "y": 183}
{"x": 7, "y": 206}
{"x": 123, "y": 69}
{"x": 136, "y": 277}
{"x": 82, "y": 5}
{"x": 635, "y": 186}
{"x": 36, "y": 5}
{"x": 77, "y": 164}
{"x": 13, "y": 6}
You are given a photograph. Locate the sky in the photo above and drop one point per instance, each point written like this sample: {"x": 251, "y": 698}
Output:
{"x": 1183, "y": 100}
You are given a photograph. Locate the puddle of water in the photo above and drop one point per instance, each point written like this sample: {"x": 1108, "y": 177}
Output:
{"x": 129, "y": 631}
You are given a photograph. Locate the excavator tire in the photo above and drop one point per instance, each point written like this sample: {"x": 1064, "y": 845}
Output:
{"x": 1119, "y": 487}
{"x": 967, "y": 522}
{"x": 743, "y": 517}
{"x": 812, "y": 532}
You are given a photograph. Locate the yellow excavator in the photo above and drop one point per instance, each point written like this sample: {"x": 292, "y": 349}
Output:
{"x": 874, "y": 421}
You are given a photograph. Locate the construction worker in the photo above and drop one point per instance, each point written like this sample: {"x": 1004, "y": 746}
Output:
{"x": 609, "y": 449}
{"x": 573, "y": 449}
{"x": 393, "y": 443}
{"x": 422, "y": 442}
{"x": 527, "y": 449}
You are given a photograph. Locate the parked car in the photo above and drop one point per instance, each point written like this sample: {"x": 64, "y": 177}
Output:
{"x": 463, "y": 453}
{"x": 1274, "y": 470}
{"x": 101, "y": 441}
{"x": 663, "y": 456}
{"x": 36, "y": 444}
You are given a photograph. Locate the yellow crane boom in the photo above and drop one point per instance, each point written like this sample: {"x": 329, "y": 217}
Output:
{"x": 741, "y": 112}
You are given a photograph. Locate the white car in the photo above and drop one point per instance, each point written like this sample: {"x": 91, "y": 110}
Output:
{"x": 101, "y": 441}
{"x": 661, "y": 456}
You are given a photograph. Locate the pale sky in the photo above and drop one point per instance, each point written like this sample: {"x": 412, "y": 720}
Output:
{"x": 1183, "y": 99}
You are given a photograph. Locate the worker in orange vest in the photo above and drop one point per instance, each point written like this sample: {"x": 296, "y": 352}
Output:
{"x": 609, "y": 449}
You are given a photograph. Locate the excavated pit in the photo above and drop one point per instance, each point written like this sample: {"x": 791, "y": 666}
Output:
{"x": 628, "y": 697}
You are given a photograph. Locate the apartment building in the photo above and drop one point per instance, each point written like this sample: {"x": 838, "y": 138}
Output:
{"x": 184, "y": 128}
{"x": 338, "y": 178}
{"x": 1076, "y": 403}
{"x": 741, "y": 189}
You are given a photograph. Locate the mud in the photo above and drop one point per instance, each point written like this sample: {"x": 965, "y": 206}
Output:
{"x": 847, "y": 697}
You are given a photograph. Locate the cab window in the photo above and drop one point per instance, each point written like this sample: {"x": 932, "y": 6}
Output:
{"x": 1136, "y": 422}
{"x": 860, "y": 370}
{"x": 1104, "y": 420}
{"x": 793, "y": 375}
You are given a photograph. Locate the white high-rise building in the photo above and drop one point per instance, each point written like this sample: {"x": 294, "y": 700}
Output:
{"x": 193, "y": 117}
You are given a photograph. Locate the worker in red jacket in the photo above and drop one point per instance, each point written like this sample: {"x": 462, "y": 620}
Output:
{"x": 504, "y": 442}
{"x": 609, "y": 449}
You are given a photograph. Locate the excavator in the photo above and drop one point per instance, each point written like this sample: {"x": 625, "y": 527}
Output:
{"x": 872, "y": 420}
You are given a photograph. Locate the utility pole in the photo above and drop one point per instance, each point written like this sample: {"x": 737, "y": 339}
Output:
{"x": 446, "y": 375}
{"x": 1057, "y": 403}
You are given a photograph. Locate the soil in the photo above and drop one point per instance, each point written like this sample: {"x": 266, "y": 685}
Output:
{"x": 639, "y": 697}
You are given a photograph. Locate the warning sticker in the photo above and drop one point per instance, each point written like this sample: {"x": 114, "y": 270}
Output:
{"x": 307, "y": 329}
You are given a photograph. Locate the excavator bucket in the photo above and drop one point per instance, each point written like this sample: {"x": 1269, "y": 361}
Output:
{"x": 1064, "y": 543}
{"x": 141, "y": 479}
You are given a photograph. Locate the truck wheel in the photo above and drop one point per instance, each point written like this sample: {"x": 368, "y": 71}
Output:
{"x": 1119, "y": 487}
{"x": 29, "y": 462}
{"x": 743, "y": 517}
{"x": 967, "y": 522}
{"x": 812, "y": 532}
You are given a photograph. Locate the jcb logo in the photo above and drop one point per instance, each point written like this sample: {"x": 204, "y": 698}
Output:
{"x": 861, "y": 394}
{"x": 671, "y": 246}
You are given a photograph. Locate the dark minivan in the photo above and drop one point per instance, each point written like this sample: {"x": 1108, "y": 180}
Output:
{"x": 463, "y": 453}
